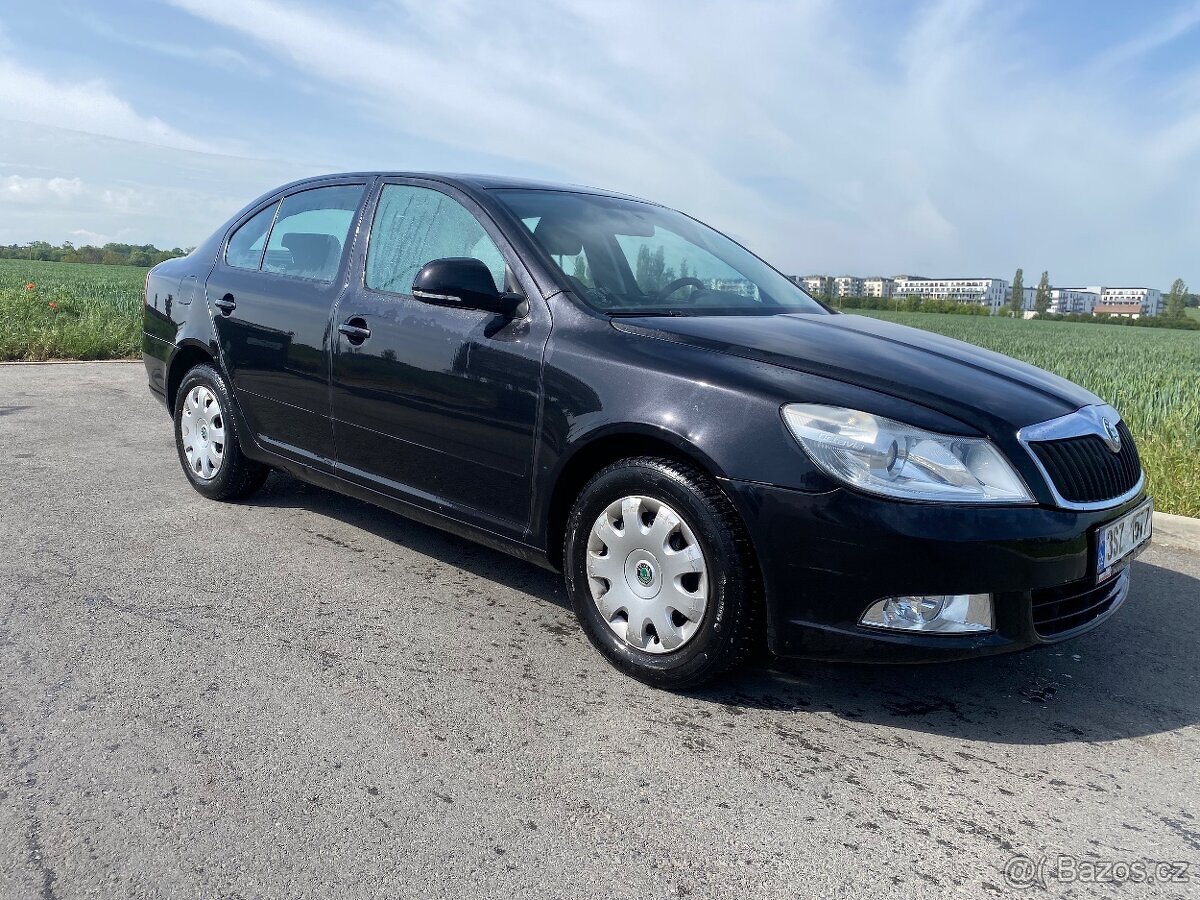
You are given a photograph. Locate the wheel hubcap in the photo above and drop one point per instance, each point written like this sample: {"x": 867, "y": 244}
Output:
{"x": 202, "y": 432}
{"x": 647, "y": 574}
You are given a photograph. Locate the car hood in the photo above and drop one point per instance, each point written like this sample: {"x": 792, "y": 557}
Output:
{"x": 984, "y": 389}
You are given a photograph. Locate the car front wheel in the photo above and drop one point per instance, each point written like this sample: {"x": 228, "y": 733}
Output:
{"x": 661, "y": 574}
{"x": 207, "y": 439}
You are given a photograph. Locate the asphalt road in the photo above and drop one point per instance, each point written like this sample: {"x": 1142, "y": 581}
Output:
{"x": 305, "y": 696}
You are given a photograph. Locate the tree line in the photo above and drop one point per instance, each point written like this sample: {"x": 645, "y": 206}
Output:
{"x": 653, "y": 273}
{"x": 1178, "y": 299}
{"x": 908, "y": 303}
{"x": 112, "y": 254}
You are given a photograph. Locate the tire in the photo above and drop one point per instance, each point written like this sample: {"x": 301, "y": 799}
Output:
{"x": 694, "y": 648}
{"x": 207, "y": 441}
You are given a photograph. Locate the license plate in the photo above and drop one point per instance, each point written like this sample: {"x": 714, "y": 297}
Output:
{"x": 1123, "y": 539}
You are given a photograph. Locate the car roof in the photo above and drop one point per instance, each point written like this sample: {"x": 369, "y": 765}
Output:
{"x": 480, "y": 182}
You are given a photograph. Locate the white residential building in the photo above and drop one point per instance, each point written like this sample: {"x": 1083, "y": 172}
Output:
{"x": 1150, "y": 300}
{"x": 819, "y": 286}
{"x": 847, "y": 286}
{"x": 734, "y": 286}
{"x": 878, "y": 287}
{"x": 1063, "y": 301}
{"x": 989, "y": 292}
{"x": 1078, "y": 301}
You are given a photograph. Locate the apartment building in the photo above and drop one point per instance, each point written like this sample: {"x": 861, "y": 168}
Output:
{"x": 878, "y": 287}
{"x": 1149, "y": 299}
{"x": 994, "y": 293}
{"x": 1063, "y": 301}
{"x": 990, "y": 292}
{"x": 817, "y": 285}
{"x": 1073, "y": 301}
{"x": 847, "y": 286}
{"x": 734, "y": 286}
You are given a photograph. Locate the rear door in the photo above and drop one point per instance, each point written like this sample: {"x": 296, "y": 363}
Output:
{"x": 271, "y": 294}
{"x": 433, "y": 403}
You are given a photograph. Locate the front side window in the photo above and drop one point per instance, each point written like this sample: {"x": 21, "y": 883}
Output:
{"x": 414, "y": 226}
{"x": 311, "y": 231}
{"x": 625, "y": 257}
{"x": 246, "y": 246}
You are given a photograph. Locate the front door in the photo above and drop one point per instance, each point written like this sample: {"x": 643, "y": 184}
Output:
{"x": 435, "y": 404}
{"x": 271, "y": 295}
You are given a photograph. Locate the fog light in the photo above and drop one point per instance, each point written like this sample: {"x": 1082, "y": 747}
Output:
{"x": 933, "y": 613}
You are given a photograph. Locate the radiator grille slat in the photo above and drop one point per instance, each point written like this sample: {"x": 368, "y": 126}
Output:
{"x": 1084, "y": 470}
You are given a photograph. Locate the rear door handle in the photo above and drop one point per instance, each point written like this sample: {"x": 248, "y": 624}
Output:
{"x": 226, "y": 304}
{"x": 355, "y": 330}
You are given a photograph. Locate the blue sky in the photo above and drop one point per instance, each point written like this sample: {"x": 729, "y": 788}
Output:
{"x": 952, "y": 137}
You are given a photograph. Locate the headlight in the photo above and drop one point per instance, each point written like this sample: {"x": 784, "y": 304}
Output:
{"x": 897, "y": 460}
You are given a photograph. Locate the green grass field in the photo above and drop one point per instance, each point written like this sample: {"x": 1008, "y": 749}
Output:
{"x": 73, "y": 311}
{"x": 1151, "y": 375}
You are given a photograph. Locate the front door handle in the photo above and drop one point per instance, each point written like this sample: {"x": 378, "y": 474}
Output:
{"x": 226, "y": 304}
{"x": 355, "y": 330}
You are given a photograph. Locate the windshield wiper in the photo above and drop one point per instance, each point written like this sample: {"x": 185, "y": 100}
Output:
{"x": 638, "y": 313}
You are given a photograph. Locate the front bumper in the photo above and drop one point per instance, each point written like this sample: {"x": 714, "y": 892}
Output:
{"x": 826, "y": 557}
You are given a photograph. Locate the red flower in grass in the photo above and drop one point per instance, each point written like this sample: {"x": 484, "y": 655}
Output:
{"x": 31, "y": 286}
{"x": 52, "y": 305}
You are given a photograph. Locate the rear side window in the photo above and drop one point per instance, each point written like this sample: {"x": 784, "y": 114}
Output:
{"x": 310, "y": 232}
{"x": 246, "y": 246}
{"x": 416, "y": 225}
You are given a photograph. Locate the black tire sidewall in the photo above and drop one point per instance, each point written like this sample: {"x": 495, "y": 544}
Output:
{"x": 709, "y": 650}
{"x": 231, "y": 476}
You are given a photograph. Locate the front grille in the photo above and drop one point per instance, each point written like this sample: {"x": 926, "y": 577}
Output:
{"x": 1084, "y": 470}
{"x": 1059, "y": 610}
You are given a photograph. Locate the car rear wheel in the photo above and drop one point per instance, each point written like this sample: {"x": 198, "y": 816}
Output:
{"x": 207, "y": 439}
{"x": 661, "y": 574}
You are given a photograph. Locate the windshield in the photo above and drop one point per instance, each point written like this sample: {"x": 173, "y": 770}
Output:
{"x": 629, "y": 258}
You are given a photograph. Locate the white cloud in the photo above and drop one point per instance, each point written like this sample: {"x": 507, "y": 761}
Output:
{"x": 127, "y": 200}
{"x": 1167, "y": 28}
{"x": 29, "y": 96}
{"x": 453, "y": 72}
{"x": 831, "y": 143}
{"x": 212, "y": 56}
{"x": 18, "y": 189}
{"x": 89, "y": 187}
{"x": 82, "y": 237}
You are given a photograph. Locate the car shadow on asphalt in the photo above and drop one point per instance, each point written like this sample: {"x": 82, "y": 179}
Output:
{"x": 284, "y": 491}
{"x": 1133, "y": 676}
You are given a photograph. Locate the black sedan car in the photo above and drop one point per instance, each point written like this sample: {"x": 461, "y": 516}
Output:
{"x": 612, "y": 389}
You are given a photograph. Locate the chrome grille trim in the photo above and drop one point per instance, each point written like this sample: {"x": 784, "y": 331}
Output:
{"x": 1085, "y": 421}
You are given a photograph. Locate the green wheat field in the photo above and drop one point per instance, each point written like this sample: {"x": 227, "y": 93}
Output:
{"x": 72, "y": 310}
{"x": 1151, "y": 375}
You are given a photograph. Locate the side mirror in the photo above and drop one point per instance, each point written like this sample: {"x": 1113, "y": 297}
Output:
{"x": 464, "y": 282}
